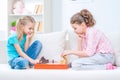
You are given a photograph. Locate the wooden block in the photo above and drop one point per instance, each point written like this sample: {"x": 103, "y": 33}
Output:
{"x": 64, "y": 60}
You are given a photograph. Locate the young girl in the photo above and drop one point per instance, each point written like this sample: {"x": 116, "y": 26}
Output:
{"x": 94, "y": 49}
{"x": 20, "y": 54}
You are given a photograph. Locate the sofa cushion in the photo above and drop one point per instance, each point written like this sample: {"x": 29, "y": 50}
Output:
{"x": 114, "y": 37}
{"x": 72, "y": 44}
{"x": 53, "y": 45}
{"x": 45, "y": 74}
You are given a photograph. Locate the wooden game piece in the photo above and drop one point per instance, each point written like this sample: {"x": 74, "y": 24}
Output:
{"x": 43, "y": 60}
{"x": 64, "y": 61}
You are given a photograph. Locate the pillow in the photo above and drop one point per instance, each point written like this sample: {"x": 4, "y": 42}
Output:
{"x": 73, "y": 42}
{"x": 53, "y": 45}
{"x": 117, "y": 61}
{"x": 114, "y": 37}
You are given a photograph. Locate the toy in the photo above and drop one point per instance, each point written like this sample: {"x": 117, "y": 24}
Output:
{"x": 19, "y": 7}
{"x": 64, "y": 61}
{"x": 47, "y": 64}
{"x": 50, "y": 66}
{"x": 43, "y": 60}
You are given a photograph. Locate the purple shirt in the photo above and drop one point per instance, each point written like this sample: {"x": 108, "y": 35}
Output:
{"x": 95, "y": 42}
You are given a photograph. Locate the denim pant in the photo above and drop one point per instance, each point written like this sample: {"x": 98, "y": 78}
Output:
{"x": 22, "y": 63}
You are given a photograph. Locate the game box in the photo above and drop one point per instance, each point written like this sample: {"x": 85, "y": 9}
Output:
{"x": 50, "y": 66}
{"x": 46, "y": 64}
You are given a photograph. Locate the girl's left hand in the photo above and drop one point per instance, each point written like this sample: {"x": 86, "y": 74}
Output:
{"x": 29, "y": 35}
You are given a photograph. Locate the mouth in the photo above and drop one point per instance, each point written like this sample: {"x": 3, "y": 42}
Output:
{"x": 80, "y": 34}
{"x": 29, "y": 33}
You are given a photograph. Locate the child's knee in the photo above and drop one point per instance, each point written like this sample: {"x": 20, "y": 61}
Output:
{"x": 22, "y": 64}
{"x": 75, "y": 65}
{"x": 38, "y": 43}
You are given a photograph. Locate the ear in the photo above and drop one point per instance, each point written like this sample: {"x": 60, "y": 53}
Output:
{"x": 22, "y": 27}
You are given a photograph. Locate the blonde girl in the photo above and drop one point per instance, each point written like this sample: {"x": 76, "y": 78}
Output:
{"x": 94, "y": 48}
{"x": 20, "y": 54}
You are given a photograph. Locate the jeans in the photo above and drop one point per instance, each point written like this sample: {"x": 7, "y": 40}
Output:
{"x": 22, "y": 63}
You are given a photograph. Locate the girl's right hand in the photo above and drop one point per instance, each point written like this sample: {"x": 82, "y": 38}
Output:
{"x": 66, "y": 52}
{"x": 34, "y": 61}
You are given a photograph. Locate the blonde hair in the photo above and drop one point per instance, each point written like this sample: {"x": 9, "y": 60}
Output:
{"x": 83, "y": 16}
{"x": 21, "y": 22}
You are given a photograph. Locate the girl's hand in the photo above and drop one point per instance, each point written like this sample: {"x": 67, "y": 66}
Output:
{"x": 29, "y": 35}
{"x": 66, "y": 52}
{"x": 34, "y": 61}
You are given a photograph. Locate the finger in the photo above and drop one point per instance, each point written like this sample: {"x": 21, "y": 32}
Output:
{"x": 62, "y": 55}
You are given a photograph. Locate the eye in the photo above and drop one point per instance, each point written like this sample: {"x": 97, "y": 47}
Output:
{"x": 31, "y": 29}
{"x": 74, "y": 28}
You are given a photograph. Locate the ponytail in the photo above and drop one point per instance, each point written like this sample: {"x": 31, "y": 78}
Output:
{"x": 83, "y": 16}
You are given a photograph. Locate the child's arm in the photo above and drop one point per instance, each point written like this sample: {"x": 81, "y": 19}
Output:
{"x": 78, "y": 53}
{"x": 27, "y": 43}
{"x": 22, "y": 54}
{"x": 79, "y": 43}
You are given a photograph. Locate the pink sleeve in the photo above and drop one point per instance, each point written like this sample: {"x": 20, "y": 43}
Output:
{"x": 92, "y": 42}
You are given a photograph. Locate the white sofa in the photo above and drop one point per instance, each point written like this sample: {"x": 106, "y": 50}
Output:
{"x": 53, "y": 44}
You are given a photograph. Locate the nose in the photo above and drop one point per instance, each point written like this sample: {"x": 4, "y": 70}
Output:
{"x": 31, "y": 30}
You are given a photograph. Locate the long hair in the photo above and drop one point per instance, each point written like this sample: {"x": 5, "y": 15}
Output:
{"x": 21, "y": 22}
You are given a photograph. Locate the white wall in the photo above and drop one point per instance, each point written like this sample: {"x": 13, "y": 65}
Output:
{"x": 3, "y": 20}
{"x": 48, "y": 16}
{"x": 56, "y": 15}
{"x": 106, "y": 13}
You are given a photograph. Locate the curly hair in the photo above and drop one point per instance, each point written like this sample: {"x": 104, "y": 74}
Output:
{"x": 83, "y": 16}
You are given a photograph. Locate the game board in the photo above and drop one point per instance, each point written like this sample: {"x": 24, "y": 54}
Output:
{"x": 50, "y": 66}
{"x": 44, "y": 64}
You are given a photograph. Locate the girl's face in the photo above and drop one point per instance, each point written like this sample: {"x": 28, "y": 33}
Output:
{"x": 29, "y": 28}
{"x": 79, "y": 29}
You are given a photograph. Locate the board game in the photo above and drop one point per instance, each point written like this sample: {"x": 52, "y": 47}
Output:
{"x": 45, "y": 64}
{"x": 50, "y": 66}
